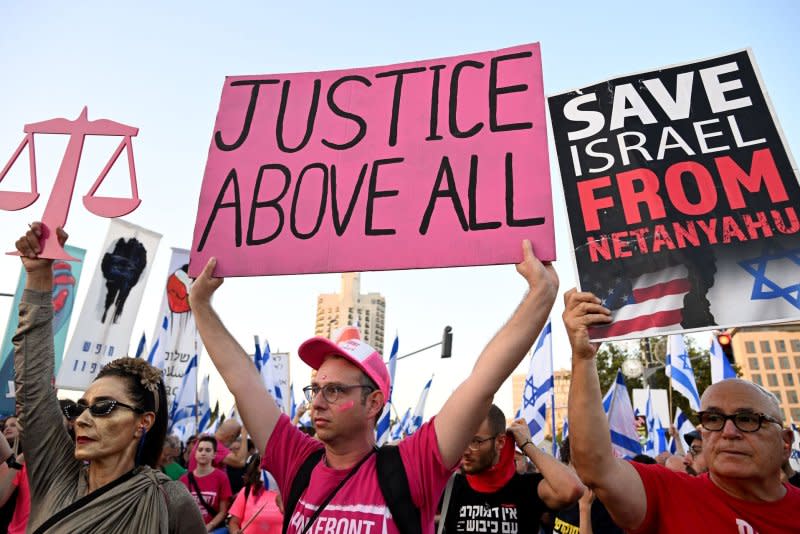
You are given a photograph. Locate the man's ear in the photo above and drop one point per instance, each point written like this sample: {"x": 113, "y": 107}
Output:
{"x": 376, "y": 402}
{"x": 788, "y": 438}
{"x": 501, "y": 441}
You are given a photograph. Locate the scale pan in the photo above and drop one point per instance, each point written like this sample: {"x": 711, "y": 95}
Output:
{"x": 110, "y": 206}
{"x": 16, "y": 200}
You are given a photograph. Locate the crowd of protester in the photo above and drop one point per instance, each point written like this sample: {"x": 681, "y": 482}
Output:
{"x": 106, "y": 464}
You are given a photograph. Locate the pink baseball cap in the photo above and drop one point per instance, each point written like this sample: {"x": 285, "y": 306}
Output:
{"x": 317, "y": 349}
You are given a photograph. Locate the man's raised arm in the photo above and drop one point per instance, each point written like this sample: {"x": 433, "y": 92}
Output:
{"x": 257, "y": 408}
{"x": 467, "y": 407}
{"x": 615, "y": 482}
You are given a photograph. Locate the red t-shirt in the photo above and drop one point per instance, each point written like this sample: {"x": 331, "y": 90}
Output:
{"x": 269, "y": 519}
{"x": 19, "y": 521}
{"x": 215, "y": 488}
{"x": 359, "y": 507}
{"x": 678, "y": 502}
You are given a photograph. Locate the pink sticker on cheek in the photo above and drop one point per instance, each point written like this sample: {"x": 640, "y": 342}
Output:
{"x": 346, "y": 406}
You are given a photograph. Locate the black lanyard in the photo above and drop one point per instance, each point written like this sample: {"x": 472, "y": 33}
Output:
{"x": 335, "y": 490}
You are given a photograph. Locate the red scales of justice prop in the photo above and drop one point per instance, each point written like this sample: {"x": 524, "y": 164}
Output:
{"x": 57, "y": 209}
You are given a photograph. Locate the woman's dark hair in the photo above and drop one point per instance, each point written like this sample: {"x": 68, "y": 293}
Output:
{"x": 146, "y": 389}
{"x": 252, "y": 474}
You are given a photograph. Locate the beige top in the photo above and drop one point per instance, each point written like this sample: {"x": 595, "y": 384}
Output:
{"x": 148, "y": 502}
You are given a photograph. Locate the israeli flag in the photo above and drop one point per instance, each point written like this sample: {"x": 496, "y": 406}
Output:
{"x": 656, "y": 434}
{"x": 609, "y": 395}
{"x": 269, "y": 481}
{"x": 184, "y": 408}
{"x": 415, "y": 422}
{"x": 794, "y": 457}
{"x": 261, "y": 359}
{"x": 142, "y": 347}
{"x": 399, "y": 428}
{"x": 292, "y": 402}
{"x": 720, "y": 366}
{"x": 203, "y": 406}
{"x": 684, "y": 426}
{"x": 393, "y": 363}
{"x": 383, "y": 428}
{"x": 679, "y": 369}
{"x": 156, "y": 357}
{"x": 539, "y": 385}
{"x": 565, "y": 430}
{"x": 621, "y": 422}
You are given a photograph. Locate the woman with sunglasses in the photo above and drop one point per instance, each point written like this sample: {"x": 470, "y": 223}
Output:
{"x": 104, "y": 480}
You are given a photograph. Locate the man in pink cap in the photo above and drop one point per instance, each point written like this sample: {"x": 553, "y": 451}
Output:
{"x": 347, "y": 395}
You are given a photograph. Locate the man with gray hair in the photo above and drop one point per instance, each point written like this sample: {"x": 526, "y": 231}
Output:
{"x": 744, "y": 445}
{"x": 166, "y": 462}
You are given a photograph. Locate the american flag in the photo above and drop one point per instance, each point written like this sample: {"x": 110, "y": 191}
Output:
{"x": 646, "y": 305}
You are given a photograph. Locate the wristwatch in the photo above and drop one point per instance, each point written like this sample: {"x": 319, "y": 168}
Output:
{"x": 12, "y": 463}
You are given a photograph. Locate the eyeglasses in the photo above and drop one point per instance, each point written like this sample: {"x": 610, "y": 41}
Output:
{"x": 331, "y": 392}
{"x": 100, "y": 408}
{"x": 744, "y": 421}
{"x": 696, "y": 451}
{"x": 476, "y": 443}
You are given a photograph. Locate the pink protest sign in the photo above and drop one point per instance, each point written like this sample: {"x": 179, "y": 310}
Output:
{"x": 57, "y": 209}
{"x": 433, "y": 163}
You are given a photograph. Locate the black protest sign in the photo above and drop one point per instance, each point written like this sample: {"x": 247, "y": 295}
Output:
{"x": 682, "y": 198}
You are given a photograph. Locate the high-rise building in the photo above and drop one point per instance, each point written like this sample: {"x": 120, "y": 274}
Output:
{"x": 770, "y": 357}
{"x": 561, "y": 381}
{"x": 351, "y": 307}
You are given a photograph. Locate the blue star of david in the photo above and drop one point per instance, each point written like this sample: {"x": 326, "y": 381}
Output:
{"x": 529, "y": 394}
{"x": 684, "y": 358}
{"x": 763, "y": 287}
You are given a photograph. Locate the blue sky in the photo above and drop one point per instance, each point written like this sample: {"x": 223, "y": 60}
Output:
{"x": 161, "y": 66}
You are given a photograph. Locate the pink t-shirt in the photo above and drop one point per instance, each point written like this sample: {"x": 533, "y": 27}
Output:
{"x": 215, "y": 488}
{"x": 19, "y": 521}
{"x": 678, "y": 502}
{"x": 359, "y": 507}
{"x": 269, "y": 519}
{"x": 222, "y": 452}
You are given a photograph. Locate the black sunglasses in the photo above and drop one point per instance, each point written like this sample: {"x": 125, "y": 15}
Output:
{"x": 744, "y": 421}
{"x": 99, "y": 408}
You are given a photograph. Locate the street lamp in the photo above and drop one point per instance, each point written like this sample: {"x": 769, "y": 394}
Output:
{"x": 446, "y": 343}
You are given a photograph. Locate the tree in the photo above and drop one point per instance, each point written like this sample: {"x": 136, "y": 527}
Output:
{"x": 611, "y": 355}
{"x": 609, "y": 359}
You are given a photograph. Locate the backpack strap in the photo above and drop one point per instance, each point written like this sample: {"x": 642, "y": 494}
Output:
{"x": 393, "y": 482}
{"x": 448, "y": 491}
{"x": 299, "y": 484}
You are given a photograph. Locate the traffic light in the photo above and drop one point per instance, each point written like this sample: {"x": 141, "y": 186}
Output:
{"x": 447, "y": 341}
{"x": 726, "y": 342}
